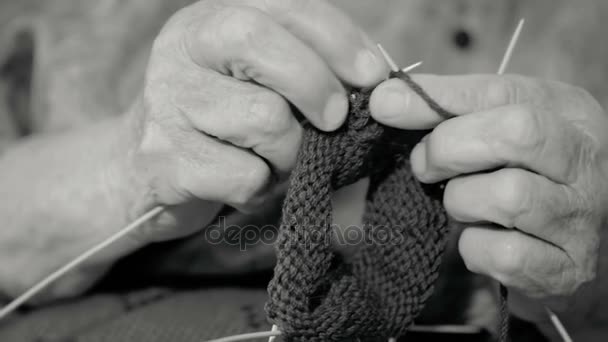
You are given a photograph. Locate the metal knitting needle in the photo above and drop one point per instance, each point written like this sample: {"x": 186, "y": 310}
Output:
{"x": 557, "y": 324}
{"x": 389, "y": 60}
{"x": 511, "y": 47}
{"x": 559, "y": 327}
{"x": 561, "y": 330}
{"x": 393, "y": 66}
{"x": 501, "y": 70}
{"x": 249, "y": 336}
{"x": 272, "y": 334}
{"x": 44, "y": 283}
{"x": 411, "y": 67}
{"x": 156, "y": 211}
{"x": 274, "y": 328}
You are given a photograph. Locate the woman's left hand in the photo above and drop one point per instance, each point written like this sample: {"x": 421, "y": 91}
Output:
{"x": 526, "y": 162}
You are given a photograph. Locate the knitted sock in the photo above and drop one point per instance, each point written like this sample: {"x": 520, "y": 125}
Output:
{"x": 317, "y": 296}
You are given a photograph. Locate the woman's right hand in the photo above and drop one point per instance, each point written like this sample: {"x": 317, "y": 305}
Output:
{"x": 214, "y": 124}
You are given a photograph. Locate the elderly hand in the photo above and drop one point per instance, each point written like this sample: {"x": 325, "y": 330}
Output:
{"x": 527, "y": 164}
{"x": 214, "y": 122}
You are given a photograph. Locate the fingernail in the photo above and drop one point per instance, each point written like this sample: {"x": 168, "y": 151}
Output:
{"x": 401, "y": 102}
{"x": 369, "y": 66}
{"x": 335, "y": 111}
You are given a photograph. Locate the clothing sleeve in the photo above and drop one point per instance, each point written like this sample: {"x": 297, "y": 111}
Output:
{"x": 16, "y": 60}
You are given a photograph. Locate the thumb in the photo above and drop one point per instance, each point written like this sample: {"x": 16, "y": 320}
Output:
{"x": 395, "y": 104}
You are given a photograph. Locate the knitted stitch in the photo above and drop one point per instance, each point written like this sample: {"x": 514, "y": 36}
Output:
{"x": 317, "y": 296}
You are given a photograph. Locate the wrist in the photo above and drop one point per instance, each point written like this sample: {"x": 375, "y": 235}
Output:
{"x": 128, "y": 181}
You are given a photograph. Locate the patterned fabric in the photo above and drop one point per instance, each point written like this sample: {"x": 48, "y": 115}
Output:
{"x": 316, "y": 296}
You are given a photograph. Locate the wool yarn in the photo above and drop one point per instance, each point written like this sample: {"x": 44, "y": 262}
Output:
{"x": 315, "y": 294}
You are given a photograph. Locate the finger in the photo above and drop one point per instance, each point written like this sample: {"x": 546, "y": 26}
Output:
{"x": 512, "y": 136}
{"x": 516, "y": 198}
{"x": 246, "y": 115}
{"x": 350, "y": 53}
{"x": 395, "y": 104}
{"x": 247, "y": 44}
{"x": 517, "y": 260}
{"x": 212, "y": 170}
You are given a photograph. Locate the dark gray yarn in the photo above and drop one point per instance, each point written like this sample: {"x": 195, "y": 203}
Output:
{"x": 315, "y": 295}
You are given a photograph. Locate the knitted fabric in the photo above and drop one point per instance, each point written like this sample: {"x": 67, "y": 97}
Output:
{"x": 376, "y": 294}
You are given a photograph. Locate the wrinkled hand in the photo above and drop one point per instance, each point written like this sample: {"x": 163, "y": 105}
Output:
{"x": 214, "y": 122}
{"x": 527, "y": 164}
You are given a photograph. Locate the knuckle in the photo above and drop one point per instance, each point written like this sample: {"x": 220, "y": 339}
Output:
{"x": 587, "y": 272}
{"x": 439, "y": 146}
{"x": 470, "y": 95}
{"x": 512, "y": 192}
{"x": 579, "y": 279}
{"x": 584, "y": 278}
{"x": 502, "y": 91}
{"x": 577, "y": 271}
{"x": 570, "y": 283}
{"x": 268, "y": 114}
{"x": 588, "y": 275}
{"x": 241, "y": 26}
{"x": 250, "y": 183}
{"x": 522, "y": 128}
{"x": 580, "y": 209}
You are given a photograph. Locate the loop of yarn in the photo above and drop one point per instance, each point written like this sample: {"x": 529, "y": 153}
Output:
{"x": 315, "y": 295}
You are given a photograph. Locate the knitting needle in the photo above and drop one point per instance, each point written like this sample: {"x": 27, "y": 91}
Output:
{"x": 411, "y": 67}
{"x": 274, "y": 328}
{"x": 389, "y": 60}
{"x": 559, "y": 327}
{"x": 272, "y": 334}
{"x": 507, "y": 56}
{"x": 248, "y": 336}
{"x": 8, "y": 309}
{"x": 501, "y": 70}
{"x": 44, "y": 283}
{"x": 395, "y": 68}
{"x": 561, "y": 330}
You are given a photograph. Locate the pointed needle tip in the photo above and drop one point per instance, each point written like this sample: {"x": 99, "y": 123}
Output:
{"x": 391, "y": 63}
{"x": 411, "y": 67}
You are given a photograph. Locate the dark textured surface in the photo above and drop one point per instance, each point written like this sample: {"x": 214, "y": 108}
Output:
{"x": 316, "y": 296}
